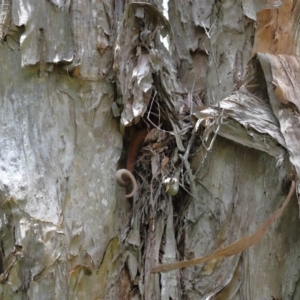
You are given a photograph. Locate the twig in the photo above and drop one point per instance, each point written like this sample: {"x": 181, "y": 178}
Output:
{"x": 149, "y": 120}
{"x": 184, "y": 159}
{"x": 209, "y": 148}
{"x": 234, "y": 248}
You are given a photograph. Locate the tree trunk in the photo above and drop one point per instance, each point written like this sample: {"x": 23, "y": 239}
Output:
{"x": 200, "y": 98}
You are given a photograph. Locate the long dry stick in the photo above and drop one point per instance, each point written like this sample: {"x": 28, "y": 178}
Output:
{"x": 234, "y": 248}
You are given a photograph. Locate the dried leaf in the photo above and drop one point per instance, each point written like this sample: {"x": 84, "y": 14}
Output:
{"x": 158, "y": 147}
{"x": 164, "y": 162}
{"x": 155, "y": 164}
{"x": 151, "y": 136}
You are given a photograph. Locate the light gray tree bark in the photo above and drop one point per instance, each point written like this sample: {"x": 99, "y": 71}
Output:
{"x": 215, "y": 83}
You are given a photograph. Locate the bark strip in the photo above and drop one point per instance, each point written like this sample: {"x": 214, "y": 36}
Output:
{"x": 234, "y": 248}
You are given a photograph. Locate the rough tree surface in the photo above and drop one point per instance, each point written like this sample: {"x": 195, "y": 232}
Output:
{"x": 216, "y": 84}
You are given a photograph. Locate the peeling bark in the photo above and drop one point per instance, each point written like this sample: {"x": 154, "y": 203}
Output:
{"x": 214, "y": 83}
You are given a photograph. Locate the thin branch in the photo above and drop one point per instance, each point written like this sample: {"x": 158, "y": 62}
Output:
{"x": 184, "y": 159}
{"x": 236, "y": 247}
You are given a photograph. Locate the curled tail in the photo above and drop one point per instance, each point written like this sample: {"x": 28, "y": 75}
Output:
{"x": 124, "y": 178}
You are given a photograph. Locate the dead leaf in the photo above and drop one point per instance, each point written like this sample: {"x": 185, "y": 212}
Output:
{"x": 158, "y": 147}
{"x": 151, "y": 136}
{"x": 155, "y": 164}
{"x": 164, "y": 162}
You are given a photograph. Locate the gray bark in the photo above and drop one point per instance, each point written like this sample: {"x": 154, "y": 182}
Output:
{"x": 77, "y": 79}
